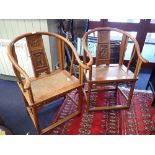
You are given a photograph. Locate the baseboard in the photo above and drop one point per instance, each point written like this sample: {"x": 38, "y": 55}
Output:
{"x": 8, "y": 77}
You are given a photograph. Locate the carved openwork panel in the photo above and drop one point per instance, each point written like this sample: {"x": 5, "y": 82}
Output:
{"x": 39, "y": 59}
{"x": 35, "y": 42}
{"x": 103, "y": 51}
{"x": 103, "y": 36}
{"x": 37, "y": 53}
{"x": 103, "y": 48}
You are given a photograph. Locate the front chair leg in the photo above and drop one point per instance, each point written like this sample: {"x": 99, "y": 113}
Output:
{"x": 132, "y": 85}
{"x": 36, "y": 120}
{"x": 88, "y": 96}
{"x": 116, "y": 90}
{"x": 80, "y": 99}
{"x": 26, "y": 104}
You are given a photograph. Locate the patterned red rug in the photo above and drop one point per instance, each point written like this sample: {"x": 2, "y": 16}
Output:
{"x": 138, "y": 120}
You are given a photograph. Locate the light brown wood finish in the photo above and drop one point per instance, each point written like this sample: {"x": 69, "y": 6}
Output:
{"x": 46, "y": 86}
{"x": 61, "y": 53}
{"x": 106, "y": 74}
{"x": 72, "y": 62}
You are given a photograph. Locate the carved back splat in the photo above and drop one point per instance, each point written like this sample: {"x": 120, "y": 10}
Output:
{"x": 38, "y": 55}
{"x": 103, "y": 48}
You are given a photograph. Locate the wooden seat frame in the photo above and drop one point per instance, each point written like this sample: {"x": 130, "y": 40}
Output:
{"x": 40, "y": 65}
{"x": 106, "y": 81}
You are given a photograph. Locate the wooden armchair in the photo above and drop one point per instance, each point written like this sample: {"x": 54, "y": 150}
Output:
{"x": 110, "y": 71}
{"x": 46, "y": 85}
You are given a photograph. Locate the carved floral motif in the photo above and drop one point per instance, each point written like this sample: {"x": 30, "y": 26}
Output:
{"x": 38, "y": 55}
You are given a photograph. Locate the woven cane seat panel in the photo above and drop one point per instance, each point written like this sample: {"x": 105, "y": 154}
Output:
{"x": 53, "y": 85}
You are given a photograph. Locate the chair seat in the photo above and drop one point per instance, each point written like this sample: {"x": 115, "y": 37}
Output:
{"x": 52, "y": 85}
{"x": 111, "y": 73}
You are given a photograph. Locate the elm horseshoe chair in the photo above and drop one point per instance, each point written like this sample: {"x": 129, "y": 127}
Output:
{"x": 106, "y": 71}
{"x": 46, "y": 85}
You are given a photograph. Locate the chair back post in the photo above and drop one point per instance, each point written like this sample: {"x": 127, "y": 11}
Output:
{"x": 72, "y": 63}
{"x": 84, "y": 52}
{"x": 131, "y": 58}
{"x": 84, "y": 60}
{"x": 123, "y": 48}
{"x": 61, "y": 52}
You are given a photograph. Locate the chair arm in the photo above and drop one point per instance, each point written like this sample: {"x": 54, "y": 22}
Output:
{"x": 84, "y": 66}
{"x": 143, "y": 59}
{"x": 27, "y": 84}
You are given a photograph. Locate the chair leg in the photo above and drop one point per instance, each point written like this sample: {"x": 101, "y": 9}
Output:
{"x": 88, "y": 96}
{"x": 80, "y": 99}
{"x": 132, "y": 85}
{"x": 36, "y": 120}
{"x": 116, "y": 93}
{"x": 116, "y": 90}
{"x": 26, "y": 104}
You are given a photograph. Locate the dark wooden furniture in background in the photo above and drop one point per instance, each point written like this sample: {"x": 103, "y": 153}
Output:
{"x": 106, "y": 74}
{"x": 151, "y": 84}
{"x": 47, "y": 85}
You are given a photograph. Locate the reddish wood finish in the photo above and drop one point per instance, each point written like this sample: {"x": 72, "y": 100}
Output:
{"x": 111, "y": 74}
